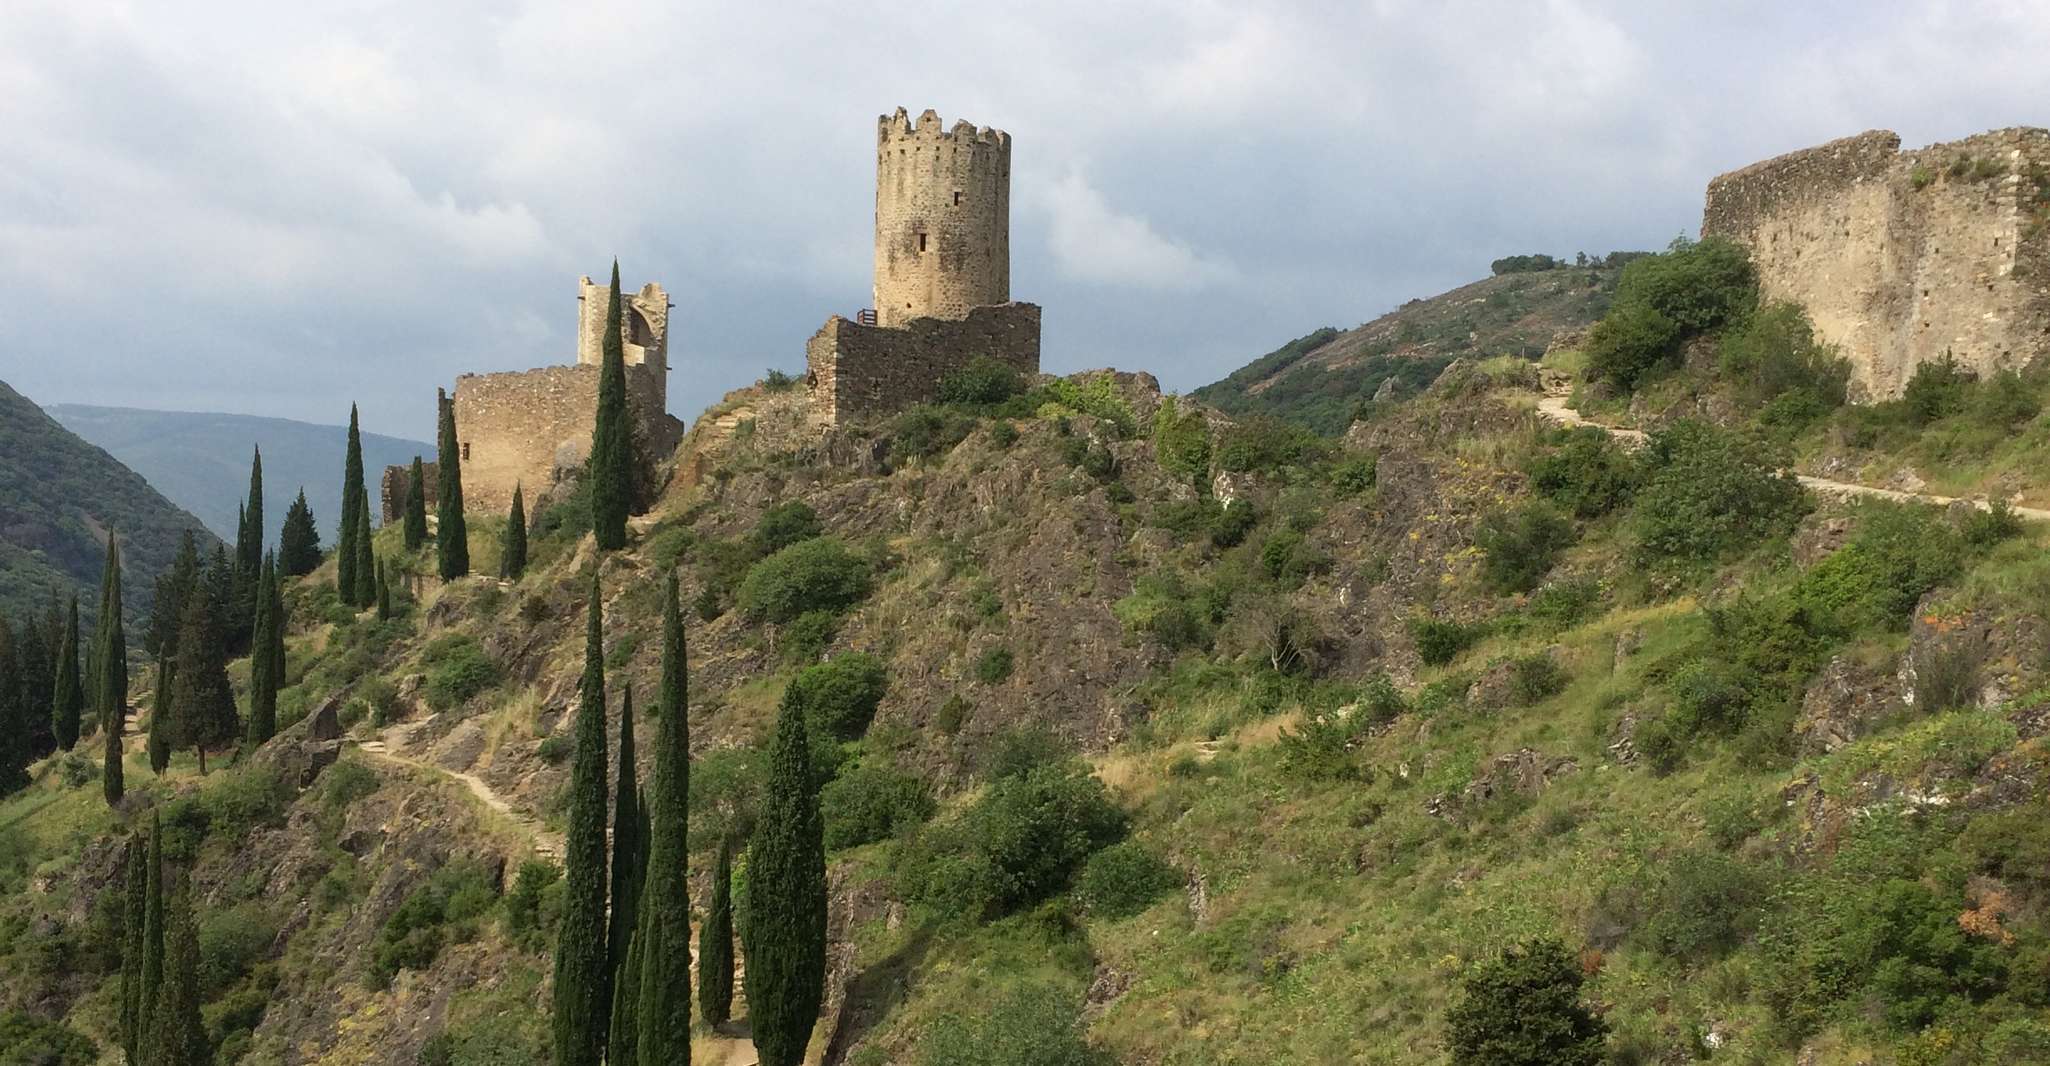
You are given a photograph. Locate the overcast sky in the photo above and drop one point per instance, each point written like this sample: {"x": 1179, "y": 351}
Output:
{"x": 276, "y": 208}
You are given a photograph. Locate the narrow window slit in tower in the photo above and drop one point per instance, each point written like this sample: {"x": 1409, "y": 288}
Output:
{"x": 466, "y": 451}
{"x": 957, "y": 203}
{"x": 921, "y": 242}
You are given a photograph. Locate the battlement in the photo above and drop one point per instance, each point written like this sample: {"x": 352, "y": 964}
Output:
{"x": 1903, "y": 256}
{"x": 898, "y": 130}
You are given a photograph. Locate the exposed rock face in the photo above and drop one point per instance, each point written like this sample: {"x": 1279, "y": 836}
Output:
{"x": 1958, "y": 658}
{"x": 1843, "y": 702}
{"x": 1524, "y": 772}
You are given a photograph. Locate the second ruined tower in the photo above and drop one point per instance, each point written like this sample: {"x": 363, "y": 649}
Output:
{"x": 943, "y": 218}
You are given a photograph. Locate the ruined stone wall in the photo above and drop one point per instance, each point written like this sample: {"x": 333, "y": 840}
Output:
{"x": 397, "y": 485}
{"x": 856, "y": 371}
{"x": 643, "y": 325}
{"x": 943, "y": 218}
{"x": 522, "y": 428}
{"x": 1898, "y": 256}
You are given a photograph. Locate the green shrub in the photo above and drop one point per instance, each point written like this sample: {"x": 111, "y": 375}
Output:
{"x": 982, "y": 381}
{"x": 1182, "y": 441}
{"x": 839, "y": 697}
{"x": 1266, "y": 444}
{"x": 231, "y": 941}
{"x": 457, "y": 669}
{"x": 1535, "y": 678}
{"x": 1663, "y": 300}
{"x": 1518, "y": 548}
{"x": 1002, "y": 433}
{"x": 1998, "y": 522}
{"x": 952, "y": 715}
{"x": 228, "y": 807}
{"x": 1587, "y": 472}
{"x": 26, "y": 1040}
{"x": 1018, "y": 844}
{"x": 820, "y": 574}
{"x": 1711, "y": 494}
{"x": 1124, "y": 879}
{"x": 1522, "y": 1008}
{"x": 534, "y": 906}
{"x": 1630, "y": 342}
{"x": 1774, "y": 354}
{"x": 1355, "y": 475}
{"x": 1033, "y": 1026}
{"x": 1022, "y": 749}
{"x": 1440, "y": 640}
{"x": 1322, "y": 748}
{"x": 775, "y": 380}
{"x": 1937, "y": 389}
{"x": 1230, "y": 525}
{"x": 993, "y": 667}
{"x": 556, "y": 748}
{"x": 870, "y": 803}
{"x": 924, "y": 432}
{"x": 1701, "y": 904}
{"x": 785, "y": 524}
{"x": 806, "y": 639}
{"x": 441, "y": 911}
{"x": 725, "y": 792}
{"x": 1096, "y": 396}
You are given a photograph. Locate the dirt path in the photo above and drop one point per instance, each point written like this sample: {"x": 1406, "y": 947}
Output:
{"x": 1555, "y": 406}
{"x": 390, "y": 746}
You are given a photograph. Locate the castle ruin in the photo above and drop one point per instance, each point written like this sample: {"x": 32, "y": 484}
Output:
{"x": 527, "y": 427}
{"x": 1900, "y": 257}
{"x": 942, "y": 274}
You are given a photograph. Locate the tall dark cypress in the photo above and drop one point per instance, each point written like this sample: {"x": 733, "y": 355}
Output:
{"x": 513, "y": 552}
{"x": 348, "y": 584}
{"x": 152, "y": 967}
{"x": 664, "y": 1013}
{"x": 202, "y": 706}
{"x": 611, "y": 464}
{"x": 715, "y": 945}
{"x": 249, "y": 548}
{"x": 135, "y": 886}
{"x": 366, "y": 558}
{"x": 299, "y": 540}
{"x": 177, "y": 1034}
{"x": 786, "y": 900}
{"x": 68, "y": 700}
{"x": 416, "y": 506}
{"x": 35, "y": 666}
{"x": 626, "y": 844}
{"x": 384, "y": 609}
{"x": 110, "y": 688}
{"x": 583, "y": 975}
{"x": 266, "y": 659}
{"x": 168, "y": 608}
{"x": 14, "y": 757}
{"x": 451, "y": 533}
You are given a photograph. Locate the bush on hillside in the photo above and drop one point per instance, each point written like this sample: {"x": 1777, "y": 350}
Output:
{"x": 1587, "y": 473}
{"x": 820, "y": 574}
{"x": 1522, "y": 1008}
{"x": 1440, "y": 640}
{"x": 870, "y": 803}
{"x": 926, "y": 431}
{"x": 1124, "y": 879}
{"x": 1523, "y": 264}
{"x": 1032, "y": 1026}
{"x": 1664, "y": 300}
{"x": 442, "y": 911}
{"x": 533, "y": 908}
{"x": 1182, "y": 441}
{"x": 1519, "y": 547}
{"x": 1020, "y": 843}
{"x": 1266, "y": 445}
{"x": 1775, "y": 353}
{"x": 457, "y": 669}
{"x": 1709, "y": 495}
{"x": 1937, "y": 389}
{"x": 785, "y": 524}
{"x": 982, "y": 381}
{"x": 839, "y": 697}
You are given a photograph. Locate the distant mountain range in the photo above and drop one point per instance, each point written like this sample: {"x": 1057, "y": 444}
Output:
{"x": 59, "y": 495}
{"x": 201, "y": 461}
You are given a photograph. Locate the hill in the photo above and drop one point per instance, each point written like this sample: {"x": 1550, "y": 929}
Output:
{"x": 58, "y": 497}
{"x": 201, "y": 461}
{"x": 1321, "y": 380}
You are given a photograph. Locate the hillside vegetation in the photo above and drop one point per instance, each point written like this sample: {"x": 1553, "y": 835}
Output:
{"x": 58, "y": 498}
{"x": 1153, "y": 736}
{"x": 201, "y": 461}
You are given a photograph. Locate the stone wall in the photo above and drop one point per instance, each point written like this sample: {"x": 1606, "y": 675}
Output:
{"x": 523, "y": 428}
{"x": 397, "y": 484}
{"x": 856, "y": 371}
{"x": 643, "y": 324}
{"x": 1899, "y": 256}
{"x": 943, "y": 218}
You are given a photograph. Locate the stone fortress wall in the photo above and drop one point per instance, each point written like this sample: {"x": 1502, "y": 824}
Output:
{"x": 943, "y": 218}
{"x": 1899, "y": 256}
{"x": 856, "y": 371}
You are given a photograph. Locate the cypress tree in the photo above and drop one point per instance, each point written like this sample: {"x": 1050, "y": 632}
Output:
{"x": 715, "y": 945}
{"x": 35, "y": 667}
{"x": 152, "y": 967}
{"x": 173, "y": 586}
{"x": 611, "y": 464}
{"x": 583, "y": 973}
{"x": 626, "y": 844}
{"x": 110, "y": 688}
{"x": 623, "y": 1046}
{"x": 416, "y": 506}
{"x": 249, "y": 547}
{"x": 177, "y": 1035}
{"x": 786, "y": 912}
{"x": 69, "y": 700}
{"x": 366, "y": 559}
{"x": 14, "y": 758}
{"x": 163, "y": 721}
{"x": 299, "y": 541}
{"x": 664, "y": 1012}
{"x": 347, "y": 555}
{"x": 452, "y": 534}
{"x": 135, "y": 883}
{"x": 513, "y": 553}
{"x": 384, "y": 612}
{"x": 266, "y": 655}
{"x": 202, "y": 700}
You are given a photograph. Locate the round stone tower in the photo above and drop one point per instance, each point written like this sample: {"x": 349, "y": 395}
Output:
{"x": 943, "y": 218}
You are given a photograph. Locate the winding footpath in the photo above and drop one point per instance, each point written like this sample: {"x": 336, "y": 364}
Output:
{"x": 1555, "y": 407}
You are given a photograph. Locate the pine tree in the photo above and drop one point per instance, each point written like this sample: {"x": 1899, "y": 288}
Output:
{"x": 152, "y": 966}
{"x": 715, "y": 945}
{"x": 135, "y": 886}
{"x": 452, "y": 534}
{"x": 177, "y": 1035}
{"x": 583, "y": 974}
{"x": 299, "y": 541}
{"x": 110, "y": 687}
{"x": 202, "y": 700}
{"x": 14, "y": 758}
{"x": 513, "y": 553}
{"x": 786, "y": 913}
{"x": 611, "y": 465}
{"x": 68, "y": 702}
{"x": 266, "y": 655}
{"x": 416, "y": 506}
{"x": 664, "y": 1012}
{"x": 354, "y": 498}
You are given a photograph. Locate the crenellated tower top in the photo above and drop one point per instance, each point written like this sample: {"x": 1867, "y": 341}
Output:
{"x": 943, "y": 218}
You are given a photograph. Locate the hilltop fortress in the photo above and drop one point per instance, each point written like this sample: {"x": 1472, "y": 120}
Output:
{"x": 1900, "y": 257}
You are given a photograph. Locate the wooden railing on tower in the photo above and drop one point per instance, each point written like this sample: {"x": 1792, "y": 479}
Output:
{"x": 866, "y": 316}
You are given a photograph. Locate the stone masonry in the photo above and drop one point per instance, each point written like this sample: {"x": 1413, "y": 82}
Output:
{"x": 1900, "y": 257}
{"x": 856, "y": 371}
